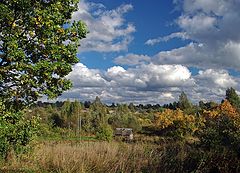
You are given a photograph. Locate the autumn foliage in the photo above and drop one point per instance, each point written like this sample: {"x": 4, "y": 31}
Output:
{"x": 225, "y": 108}
{"x": 222, "y": 127}
{"x": 219, "y": 126}
{"x": 176, "y": 122}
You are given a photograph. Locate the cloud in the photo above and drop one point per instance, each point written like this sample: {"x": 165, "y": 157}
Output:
{"x": 81, "y": 76}
{"x": 181, "y": 35}
{"x": 213, "y": 28}
{"x": 218, "y": 7}
{"x": 216, "y": 78}
{"x": 150, "y": 76}
{"x": 167, "y": 95}
{"x": 109, "y": 31}
{"x": 119, "y": 77}
{"x": 211, "y": 85}
{"x": 187, "y": 55}
{"x": 132, "y": 59}
{"x": 161, "y": 76}
{"x": 197, "y": 24}
{"x": 146, "y": 83}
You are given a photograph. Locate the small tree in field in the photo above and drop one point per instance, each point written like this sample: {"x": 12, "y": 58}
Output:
{"x": 222, "y": 128}
{"x": 38, "y": 46}
{"x": 104, "y": 132}
{"x": 233, "y": 98}
{"x": 184, "y": 104}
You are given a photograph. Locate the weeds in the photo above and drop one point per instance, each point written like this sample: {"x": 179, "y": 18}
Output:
{"x": 115, "y": 157}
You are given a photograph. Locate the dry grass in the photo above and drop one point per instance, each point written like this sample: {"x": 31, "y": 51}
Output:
{"x": 92, "y": 157}
{"x": 118, "y": 157}
{"x": 70, "y": 157}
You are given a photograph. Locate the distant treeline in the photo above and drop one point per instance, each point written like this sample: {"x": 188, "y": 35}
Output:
{"x": 93, "y": 115}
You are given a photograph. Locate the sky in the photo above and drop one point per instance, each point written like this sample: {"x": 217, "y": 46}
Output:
{"x": 147, "y": 52}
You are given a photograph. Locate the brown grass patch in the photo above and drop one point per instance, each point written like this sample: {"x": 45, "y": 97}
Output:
{"x": 81, "y": 157}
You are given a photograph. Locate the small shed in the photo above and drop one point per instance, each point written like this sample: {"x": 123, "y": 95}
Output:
{"x": 126, "y": 133}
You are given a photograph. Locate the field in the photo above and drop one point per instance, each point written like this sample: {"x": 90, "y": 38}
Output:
{"x": 73, "y": 137}
{"x": 87, "y": 156}
{"x": 140, "y": 62}
{"x": 70, "y": 156}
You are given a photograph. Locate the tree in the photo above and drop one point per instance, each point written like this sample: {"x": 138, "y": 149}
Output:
{"x": 97, "y": 101}
{"x": 211, "y": 105}
{"x": 184, "y": 103}
{"x": 16, "y": 131}
{"x": 176, "y": 123}
{"x": 222, "y": 128}
{"x": 56, "y": 119}
{"x": 104, "y": 132}
{"x": 201, "y": 104}
{"x": 132, "y": 107}
{"x": 233, "y": 97}
{"x": 227, "y": 109}
{"x": 66, "y": 112}
{"x": 98, "y": 107}
{"x": 38, "y": 46}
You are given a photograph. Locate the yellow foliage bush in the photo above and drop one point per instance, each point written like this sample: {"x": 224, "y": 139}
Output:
{"x": 227, "y": 109}
{"x": 177, "y": 122}
{"x": 224, "y": 108}
{"x": 222, "y": 127}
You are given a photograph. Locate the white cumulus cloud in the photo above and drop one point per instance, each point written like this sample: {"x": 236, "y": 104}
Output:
{"x": 217, "y": 78}
{"x": 109, "y": 31}
{"x": 81, "y": 76}
{"x": 213, "y": 28}
{"x": 146, "y": 83}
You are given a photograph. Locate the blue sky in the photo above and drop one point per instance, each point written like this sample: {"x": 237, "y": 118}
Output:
{"x": 150, "y": 51}
{"x": 143, "y": 16}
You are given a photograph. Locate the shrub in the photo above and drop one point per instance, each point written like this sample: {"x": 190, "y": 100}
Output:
{"x": 104, "y": 132}
{"x": 177, "y": 124}
{"x": 16, "y": 132}
{"x": 222, "y": 128}
{"x": 221, "y": 131}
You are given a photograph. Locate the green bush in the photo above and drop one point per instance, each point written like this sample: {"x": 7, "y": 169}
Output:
{"x": 222, "y": 131}
{"x": 104, "y": 132}
{"x": 16, "y": 131}
{"x": 126, "y": 120}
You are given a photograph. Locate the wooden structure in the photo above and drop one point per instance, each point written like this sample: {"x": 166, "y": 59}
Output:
{"x": 124, "y": 133}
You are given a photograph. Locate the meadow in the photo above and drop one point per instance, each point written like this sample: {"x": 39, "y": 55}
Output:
{"x": 75, "y": 137}
{"x": 152, "y": 154}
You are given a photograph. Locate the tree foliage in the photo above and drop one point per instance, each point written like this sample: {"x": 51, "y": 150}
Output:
{"x": 104, "y": 132}
{"x": 16, "y": 131}
{"x": 222, "y": 128}
{"x": 233, "y": 97}
{"x": 38, "y": 45}
{"x": 184, "y": 104}
{"x": 225, "y": 108}
{"x": 176, "y": 123}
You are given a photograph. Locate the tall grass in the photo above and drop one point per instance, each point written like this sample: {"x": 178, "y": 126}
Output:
{"x": 118, "y": 157}
{"x": 81, "y": 157}
{"x": 92, "y": 157}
